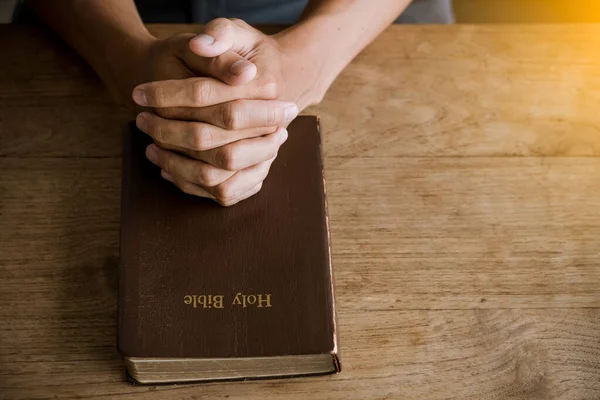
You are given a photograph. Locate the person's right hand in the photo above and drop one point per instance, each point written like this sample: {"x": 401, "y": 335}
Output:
{"x": 171, "y": 58}
{"x": 209, "y": 143}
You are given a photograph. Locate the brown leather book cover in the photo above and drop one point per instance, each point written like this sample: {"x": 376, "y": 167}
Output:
{"x": 198, "y": 280}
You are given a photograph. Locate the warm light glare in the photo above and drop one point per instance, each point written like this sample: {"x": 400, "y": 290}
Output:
{"x": 527, "y": 11}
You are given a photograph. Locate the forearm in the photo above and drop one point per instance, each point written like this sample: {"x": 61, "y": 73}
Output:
{"x": 108, "y": 34}
{"x": 332, "y": 32}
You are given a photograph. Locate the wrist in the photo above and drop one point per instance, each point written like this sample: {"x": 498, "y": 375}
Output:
{"x": 128, "y": 62}
{"x": 308, "y": 73}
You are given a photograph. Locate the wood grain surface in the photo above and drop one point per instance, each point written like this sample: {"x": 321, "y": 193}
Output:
{"x": 463, "y": 180}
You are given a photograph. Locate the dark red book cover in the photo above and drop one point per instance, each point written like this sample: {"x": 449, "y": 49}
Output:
{"x": 198, "y": 280}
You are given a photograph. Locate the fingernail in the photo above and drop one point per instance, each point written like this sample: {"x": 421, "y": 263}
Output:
{"x": 291, "y": 112}
{"x": 166, "y": 175}
{"x": 284, "y": 136}
{"x": 205, "y": 39}
{"x": 239, "y": 66}
{"x": 141, "y": 122}
{"x": 139, "y": 96}
{"x": 152, "y": 153}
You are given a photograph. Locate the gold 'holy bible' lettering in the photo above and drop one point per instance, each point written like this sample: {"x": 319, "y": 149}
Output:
{"x": 205, "y": 301}
{"x": 252, "y": 299}
{"x": 217, "y": 301}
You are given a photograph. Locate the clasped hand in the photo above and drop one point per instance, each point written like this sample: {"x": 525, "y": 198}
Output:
{"x": 220, "y": 104}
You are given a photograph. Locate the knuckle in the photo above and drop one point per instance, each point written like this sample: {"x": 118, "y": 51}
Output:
{"x": 236, "y": 21}
{"x": 218, "y": 23}
{"x": 225, "y": 158}
{"x": 231, "y": 115}
{"x": 208, "y": 177}
{"x": 272, "y": 116}
{"x": 222, "y": 21}
{"x": 202, "y": 138}
{"x": 225, "y": 203}
{"x": 157, "y": 92}
{"x": 157, "y": 132}
{"x": 224, "y": 194}
{"x": 199, "y": 175}
{"x": 241, "y": 23}
{"x": 166, "y": 163}
{"x": 201, "y": 92}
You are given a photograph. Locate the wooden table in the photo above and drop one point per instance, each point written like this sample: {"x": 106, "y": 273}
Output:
{"x": 464, "y": 190}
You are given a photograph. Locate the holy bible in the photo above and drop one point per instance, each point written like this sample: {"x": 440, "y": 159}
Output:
{"x": 213, "y": 293}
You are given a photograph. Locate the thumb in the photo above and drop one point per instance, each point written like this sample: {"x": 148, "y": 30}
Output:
{"x": 221, "y": 35}
{"x": 229, "y": 67}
